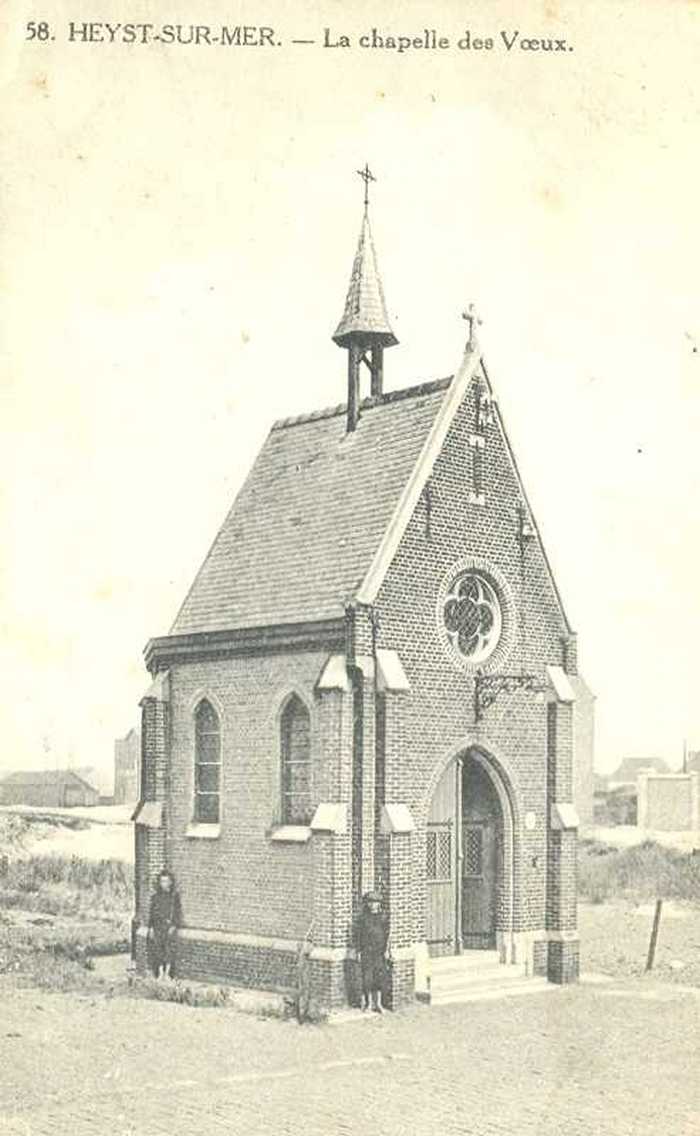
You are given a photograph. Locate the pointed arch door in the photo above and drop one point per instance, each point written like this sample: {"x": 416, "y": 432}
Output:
{"x": 443, "y": 860}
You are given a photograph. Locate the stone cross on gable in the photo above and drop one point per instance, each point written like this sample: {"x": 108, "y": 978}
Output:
{"x": 472, "y": 319}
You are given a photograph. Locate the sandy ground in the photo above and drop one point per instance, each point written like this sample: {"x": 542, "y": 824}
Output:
{"x": 615, "y": 940}
{"x": 99, "y": 814}
{"x": 99, "y": 842}
{"x": 109, "y": 835}
{"x": 610, "y": 1059}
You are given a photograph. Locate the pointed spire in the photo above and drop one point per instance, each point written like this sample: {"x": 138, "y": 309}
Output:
{"x": 364, "y": 330}
{"x": 365, "y": 320}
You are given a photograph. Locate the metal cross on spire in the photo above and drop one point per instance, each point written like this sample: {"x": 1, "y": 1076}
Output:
{"x": 367, "y": 176}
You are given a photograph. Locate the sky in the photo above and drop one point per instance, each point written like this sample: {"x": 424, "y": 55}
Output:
{"x": 178, "y": 227}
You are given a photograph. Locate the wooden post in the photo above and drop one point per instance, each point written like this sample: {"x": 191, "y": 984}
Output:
{"x": 353, "y": 411}
{"x": 377, "y": 370}
{"x": 654, "y": 934}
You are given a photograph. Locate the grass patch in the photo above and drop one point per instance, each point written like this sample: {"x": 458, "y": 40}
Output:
{"x": 645, "y": 872}
{"x": 53, "y": 965}
{"x": 172, "y": 990}
{"x": 71, "y": 886}
{"x": 204, "y": 996}
{"x": 57, "y": 913}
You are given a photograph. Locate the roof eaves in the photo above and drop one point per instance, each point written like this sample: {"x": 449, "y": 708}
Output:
{"x": 310, "y": 634}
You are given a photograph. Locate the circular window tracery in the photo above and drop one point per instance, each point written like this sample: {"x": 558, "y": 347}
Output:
{"x": 472, "y": 616}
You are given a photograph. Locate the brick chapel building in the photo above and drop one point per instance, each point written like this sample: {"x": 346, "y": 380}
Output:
{"x": 369, "y": 685}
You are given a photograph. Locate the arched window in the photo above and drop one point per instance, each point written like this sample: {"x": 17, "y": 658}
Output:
{"x": 295, "y": 750}
{"x": 207, "y": 764}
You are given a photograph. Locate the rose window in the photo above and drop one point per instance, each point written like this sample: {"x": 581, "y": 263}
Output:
{"x": 472, "y": 617}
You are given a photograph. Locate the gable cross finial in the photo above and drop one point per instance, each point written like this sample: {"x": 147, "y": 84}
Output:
{"x": 470, "y": 315}
{"x": 367, "y": 176}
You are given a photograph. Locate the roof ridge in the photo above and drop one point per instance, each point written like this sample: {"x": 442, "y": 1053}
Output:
{"x": 422, "y": 468}
{"x": 415, "y": 391}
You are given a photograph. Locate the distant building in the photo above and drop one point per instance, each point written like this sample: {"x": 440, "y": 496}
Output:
{"x": 669, "y": 802}
{"x": 617, "y": 806}
{"x": 628, "y": 771}
{"x": 100, "y": 779}
{"x": 692, "y": 761}
{"x": 127, "y": 768}
{"x": 584, "y": 736}
{"x": 643, "y": 791}
{"x": 59, "y": 788}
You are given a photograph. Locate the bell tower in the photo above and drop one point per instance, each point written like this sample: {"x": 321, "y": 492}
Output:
{"x": 364, "y": 329}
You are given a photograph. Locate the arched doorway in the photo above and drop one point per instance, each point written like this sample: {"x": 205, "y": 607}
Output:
{"x": 468, "y": 857}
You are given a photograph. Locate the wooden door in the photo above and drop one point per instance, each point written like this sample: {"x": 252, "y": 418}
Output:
{"x": 441, "y": 865}
{"x": 479, "y": 876}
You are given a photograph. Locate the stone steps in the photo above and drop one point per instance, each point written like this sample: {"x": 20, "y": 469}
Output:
{"x": 476, "y": 976}
{"x": 491, "y": 991}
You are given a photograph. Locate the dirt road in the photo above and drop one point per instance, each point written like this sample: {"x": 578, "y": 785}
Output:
{"x": 614, "y": 1058}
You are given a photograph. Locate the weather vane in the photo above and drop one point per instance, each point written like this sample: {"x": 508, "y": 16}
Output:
{"x": 367, "y": 176}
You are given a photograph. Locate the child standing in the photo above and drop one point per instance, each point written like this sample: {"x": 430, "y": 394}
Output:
{"x": 164, "y": 919}
{"x": 372, "y": 939}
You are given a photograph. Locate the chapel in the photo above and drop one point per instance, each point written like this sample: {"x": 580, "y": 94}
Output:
{"x": 370, "y": 685}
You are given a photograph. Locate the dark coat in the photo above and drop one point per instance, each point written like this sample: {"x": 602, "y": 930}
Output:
{"x": 164, "y": 919}
{"x": 372, "y": 935}
{"x": 166, "y": 911}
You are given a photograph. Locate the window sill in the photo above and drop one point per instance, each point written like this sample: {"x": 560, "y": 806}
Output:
{"x": 203, "y": 831}
{"x": 290, "y": 834}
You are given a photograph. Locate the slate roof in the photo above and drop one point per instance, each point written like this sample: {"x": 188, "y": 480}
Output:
{"x": 365, "y": 308}
{"x": 303, "y": 530}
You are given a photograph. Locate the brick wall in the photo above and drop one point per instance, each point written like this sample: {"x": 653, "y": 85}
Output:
{"x": 242, "y": 881}
{"x": 243, "y": 965}
{"x": 438, "y": 717}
